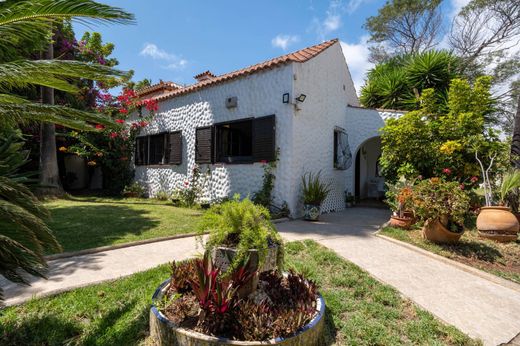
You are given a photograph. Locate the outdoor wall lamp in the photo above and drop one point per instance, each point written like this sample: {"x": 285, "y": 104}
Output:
{"x": 301, "y": 98}
{"x": 285, "y": 98}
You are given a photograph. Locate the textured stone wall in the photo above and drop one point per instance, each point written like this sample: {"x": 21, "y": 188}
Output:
{"x": 326, "y": 81}
{"x": 258, "y": 95}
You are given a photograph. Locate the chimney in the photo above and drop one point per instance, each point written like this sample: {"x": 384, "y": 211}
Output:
{"x": 207, "y": 75}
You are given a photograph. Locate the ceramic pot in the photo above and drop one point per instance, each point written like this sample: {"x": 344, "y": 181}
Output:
{"x": 436, "y": 232}
{"x": 311, "y": 212}
{"x": 497, "y": 223}
{"x": 404, "y": 222}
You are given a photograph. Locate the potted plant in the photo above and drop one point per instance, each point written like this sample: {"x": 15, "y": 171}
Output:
{"x": 134, "y": 190}
{"x": 497, "y": 222}
{"x": 399, "y": 199}
{"x": 241, "y": 231}
{"x": 443, "y": 206}
{"x": 314, "y": 193}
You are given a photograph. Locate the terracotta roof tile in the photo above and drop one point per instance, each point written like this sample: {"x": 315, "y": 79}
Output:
{"x": 168, "y": 86}
{"x": 300, "y": 56}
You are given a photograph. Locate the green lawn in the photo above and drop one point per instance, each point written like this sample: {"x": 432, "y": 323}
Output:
{"x": 360, "y": 310}
{"x": 86, "y": 222}
{"x": 501, "y": 259}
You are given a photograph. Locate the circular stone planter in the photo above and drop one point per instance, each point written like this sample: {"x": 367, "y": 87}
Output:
{"x": 164, "y": 332}
{"x": 498, "y": 224}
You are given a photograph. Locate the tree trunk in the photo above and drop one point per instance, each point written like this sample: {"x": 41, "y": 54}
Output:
{"x": 515, "y": 145}
{"x": 49, "y": 172}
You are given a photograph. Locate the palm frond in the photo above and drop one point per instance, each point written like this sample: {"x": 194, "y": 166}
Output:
{"x": 510, "y": 182}
{"x": 15, "y": 113}
{"x": 27, "y": 18}
{"x": 53, "y": 73}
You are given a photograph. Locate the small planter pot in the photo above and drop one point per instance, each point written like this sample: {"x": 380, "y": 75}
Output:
{"x": 498, "y": 224}
{"x": 404, "y": 222}
{"x": 436, "y": 232}
{"x": 311, "y": 212}
{"x": 165, "y": 332}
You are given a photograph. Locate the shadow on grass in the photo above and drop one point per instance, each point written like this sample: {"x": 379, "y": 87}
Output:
{"x": 125, "y": 325}
{"x": 81, "y": 227}
{"x": 330, "y": 332}
{"x": 474, "y": 250}
{"x": 117, "y": 200}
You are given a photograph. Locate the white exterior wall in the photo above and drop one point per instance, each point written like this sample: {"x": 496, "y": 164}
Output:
{"x": 326, "y": 81}
{"x": 363, "y": 124}
{"x": 259, "y": 94}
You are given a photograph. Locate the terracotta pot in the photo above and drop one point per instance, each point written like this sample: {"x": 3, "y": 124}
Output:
{"x": 401, "y": 222}
{"x": 497, "y": 223}
{"x": 436, "y": 232}
{"x": 311, "y": 212}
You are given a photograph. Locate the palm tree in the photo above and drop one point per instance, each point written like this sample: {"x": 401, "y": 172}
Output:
{"x": 24, "y": 236}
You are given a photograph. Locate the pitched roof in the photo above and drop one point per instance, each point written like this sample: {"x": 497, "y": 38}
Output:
{"x": 154, "y": 88}
{"x": 300, "y": 56}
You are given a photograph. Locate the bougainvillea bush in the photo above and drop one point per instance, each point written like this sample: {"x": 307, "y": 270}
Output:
{"x": 202, "y": 298}
{"x": 112, "y": 148}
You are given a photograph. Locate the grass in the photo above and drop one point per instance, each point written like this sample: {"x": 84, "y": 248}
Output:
{"x": 86, "y": 222}
{"x": 360, "y": 310}
{"x": 501, "y": 259}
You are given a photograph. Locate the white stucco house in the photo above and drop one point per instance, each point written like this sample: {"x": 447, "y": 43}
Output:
{"x": 302, "y": 106}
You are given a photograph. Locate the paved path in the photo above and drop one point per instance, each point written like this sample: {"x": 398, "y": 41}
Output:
{"x": 73, "y": 272}
{"x": 480, "y": 308}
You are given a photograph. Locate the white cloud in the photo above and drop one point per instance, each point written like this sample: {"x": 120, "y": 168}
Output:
{"x": 356, "y": 55}
{"x": 353, "y": 5}
{"x": 284, "y": 41}
{"x": 332, "y": 22}
{"x": 175, "y": 62}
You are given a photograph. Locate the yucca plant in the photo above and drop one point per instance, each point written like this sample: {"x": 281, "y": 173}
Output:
{"x": 314, "y": 190}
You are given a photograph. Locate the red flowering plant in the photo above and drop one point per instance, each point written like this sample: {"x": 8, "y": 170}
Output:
{"x": 111, "y": 148}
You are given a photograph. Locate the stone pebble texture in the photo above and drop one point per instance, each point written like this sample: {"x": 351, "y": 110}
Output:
{"x": 304, "y": 131}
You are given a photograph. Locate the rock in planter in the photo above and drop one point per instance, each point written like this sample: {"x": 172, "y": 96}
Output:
{"x": 436, "y": 232}
{"x": 497, "y": 223}
{"x": 165, "y": 332}
{"x": 311, "y": 212}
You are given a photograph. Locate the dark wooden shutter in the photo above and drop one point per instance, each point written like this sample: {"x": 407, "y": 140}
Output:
{"x": 204, "y": 144}
{"x": 174, "y": 148}
{"x": 264, "y": 146}
{"x": 156, "y": 149}
{"x": 141, "y": 151}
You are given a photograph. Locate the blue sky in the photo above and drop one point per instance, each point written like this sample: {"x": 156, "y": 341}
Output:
{"x": 175, "y": 40}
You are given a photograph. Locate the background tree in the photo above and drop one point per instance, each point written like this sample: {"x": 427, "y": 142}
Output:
{"x": 399, "y": 82}
{"x": 404, "y": 27}
{"x": 441, "y": 141}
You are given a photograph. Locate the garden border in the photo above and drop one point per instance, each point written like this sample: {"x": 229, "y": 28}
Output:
{"x": 118, "y": 246}
{"x": 490, "y": 277}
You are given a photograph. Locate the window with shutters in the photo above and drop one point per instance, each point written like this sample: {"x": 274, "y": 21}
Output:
{"x": 242, "y": 141}
{"x": 234, "y": 141}
{"x": 173, "y": 150}
{"x": 159, "y": 149}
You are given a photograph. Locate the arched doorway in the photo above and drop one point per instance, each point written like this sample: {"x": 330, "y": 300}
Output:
{"x": 368, "y": 182}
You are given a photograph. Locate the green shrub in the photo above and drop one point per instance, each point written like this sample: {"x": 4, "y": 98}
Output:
{"x": 162, "y": 195}
{"x": 242, "y": 225}
{"x": 134, "y": 190}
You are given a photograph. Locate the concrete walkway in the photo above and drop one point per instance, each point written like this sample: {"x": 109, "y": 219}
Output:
{"x": 481, "y": 308}
{"x": 73, "y": 272}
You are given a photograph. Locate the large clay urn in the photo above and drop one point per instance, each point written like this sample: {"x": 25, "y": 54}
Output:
{"x": 436, "y": 232}
{"x": 497, "y": 223}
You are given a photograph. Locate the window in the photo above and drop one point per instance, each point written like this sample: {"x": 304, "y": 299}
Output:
{"x": 159, "y": 149}
{"x": 342, "y": 154}
{"x": 243, "y": 141}
{"x": 235, "y": 141}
